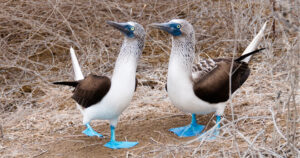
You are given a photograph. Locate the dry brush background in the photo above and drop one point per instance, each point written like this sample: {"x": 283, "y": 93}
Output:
{"x": 39, "y": 119}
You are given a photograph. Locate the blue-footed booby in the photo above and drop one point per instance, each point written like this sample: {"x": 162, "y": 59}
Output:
{"x": 201, "y": 88}
{"x": 99, "y": 97}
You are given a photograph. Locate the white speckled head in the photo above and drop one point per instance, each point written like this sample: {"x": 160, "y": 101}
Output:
{"x": 139, "y": 31}
{"x": 176, "y": 27}
{"x": 186, "y": 28}
{"x": 131, "y": 30}
{"x": 134, "y": 34}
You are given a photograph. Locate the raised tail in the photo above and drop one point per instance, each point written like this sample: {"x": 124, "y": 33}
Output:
{"x": 248, "y": 54}
{"x": 252, "y": 46}
{"x": 67, "y": 83}
{"x": 77, "y": 71}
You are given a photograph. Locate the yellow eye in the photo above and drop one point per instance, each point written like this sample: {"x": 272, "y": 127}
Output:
{"x": 132, "y": 28}
{"x": 178, "y": 26}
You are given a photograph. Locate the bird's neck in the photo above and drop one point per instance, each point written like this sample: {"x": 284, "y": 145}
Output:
{"x": 183, "y": 52}
{"x": 180, "y": 66}
{"x": 126, "y": 63}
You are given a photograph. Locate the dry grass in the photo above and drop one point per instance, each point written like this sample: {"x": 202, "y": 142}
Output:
{"x": 261, "y": 120}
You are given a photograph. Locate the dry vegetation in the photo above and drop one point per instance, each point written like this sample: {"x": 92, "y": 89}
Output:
{"x": 39, "y": 119}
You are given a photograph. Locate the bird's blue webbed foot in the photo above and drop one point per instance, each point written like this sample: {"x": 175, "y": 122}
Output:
{"x": 212, "y": 135}
{"x": 113, "y": 144}
{"x": 89, "y": 131}
{"x": 120, "y": 145}
{"x": 190, "y": 130}
{"x": 209, "y": 136}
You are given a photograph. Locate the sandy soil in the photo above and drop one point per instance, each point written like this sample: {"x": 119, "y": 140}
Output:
{"x": 56, "y": 131}
{"x": 38, "y": 119}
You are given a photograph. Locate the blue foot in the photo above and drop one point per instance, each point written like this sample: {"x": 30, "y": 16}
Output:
{"x": 89, "y": 131}
{"x": 113, "y": 144}
{"x": 120, "y": 145}
{"x": 190, "y": 130}
{"x": 209, "y": 136}
{"x": 214, "y": 134}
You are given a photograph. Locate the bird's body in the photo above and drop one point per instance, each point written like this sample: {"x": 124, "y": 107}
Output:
{"x": 180, "y": 89}
{"x": 123, "y": 83}
{"x": 204, "y": 87}
{"x": 101, "y": 98}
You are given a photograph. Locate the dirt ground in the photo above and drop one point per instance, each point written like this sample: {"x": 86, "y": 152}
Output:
{"x": 63, "y": 137}
{"x": 148, "y": 132}
{"x": 39, "y": 119}
{"x": 55, "y": 131}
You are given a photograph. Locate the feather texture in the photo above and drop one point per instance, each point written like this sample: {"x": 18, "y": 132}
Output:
{"x": 213, "y": 87}
{"x": 91, "y": 90}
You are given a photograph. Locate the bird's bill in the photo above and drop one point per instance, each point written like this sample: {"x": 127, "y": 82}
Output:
{"x": 161, "y": 26}
{"x": 120, "y": 26}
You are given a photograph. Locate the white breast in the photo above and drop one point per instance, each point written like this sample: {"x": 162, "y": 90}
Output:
{"x": 180, "y": 90}
{"x": 119, "y": 95}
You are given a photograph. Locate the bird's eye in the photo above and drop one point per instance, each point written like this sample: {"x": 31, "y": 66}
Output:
{"x": 178, "y": 26}
{"x": 132, "y": 28}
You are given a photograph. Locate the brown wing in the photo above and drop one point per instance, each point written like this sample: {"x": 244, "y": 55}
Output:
{"x": 202, "y": 67}
{"x": 213, "y": 87}
{"x": 91, "y": 90}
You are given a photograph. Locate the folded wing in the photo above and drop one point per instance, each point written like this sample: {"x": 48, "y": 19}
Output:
{"x": 213, "y": 86}
{"x": 91, "y": 90}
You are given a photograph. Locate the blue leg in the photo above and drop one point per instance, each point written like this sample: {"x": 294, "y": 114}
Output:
{"x": 89, "y": 131}
{"x": 190, "y": 130}
{"x": 214, "y": 133}
{"x": 113, "y": 144}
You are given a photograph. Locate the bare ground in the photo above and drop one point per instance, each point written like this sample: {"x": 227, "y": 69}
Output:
{"x": 55, "y": 131}
{"x": 39, "y": 119}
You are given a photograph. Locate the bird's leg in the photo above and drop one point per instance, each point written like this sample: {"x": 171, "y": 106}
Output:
{"x": 89, "y": 131}
{"x": 217, "y": 130}
{"x": 113, "y": 144}
{"x": 190, "y": 130}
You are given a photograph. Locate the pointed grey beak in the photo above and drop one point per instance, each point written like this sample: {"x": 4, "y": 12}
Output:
{"x": 162, "y": 26}
{"x": 123, "y": 27}
{"x": 169, "y": 27}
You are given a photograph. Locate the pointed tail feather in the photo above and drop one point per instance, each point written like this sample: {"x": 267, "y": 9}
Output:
{"x": 248, "y": 54}
{"x": 67, "y": 83}
{"x": 252, "y": 46}
{"x": 76, "y": 67}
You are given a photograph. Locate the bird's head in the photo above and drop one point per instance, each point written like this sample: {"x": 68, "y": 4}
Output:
{"x": 130, "y": 29}
{"x": 175, "y": 27}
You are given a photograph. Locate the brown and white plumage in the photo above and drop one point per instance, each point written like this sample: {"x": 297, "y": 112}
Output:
{"x": 211, "y": 82}
{"x": 209, "y": 78}
{"x": 99, "y": 97}
{"x": 90, "y": 90}
{"x": 204, "y": 87}
{"x": 202, "y": 67}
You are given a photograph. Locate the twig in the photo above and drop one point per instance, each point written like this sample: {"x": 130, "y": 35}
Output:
{"x": 1, "y": 132}
{"x": 273, "y": 2}
{"x": 272, "y": 152}
{"x": 251, "y": 143}
{"x": 41, "y": 153}
{"x": 278, "y": 130}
